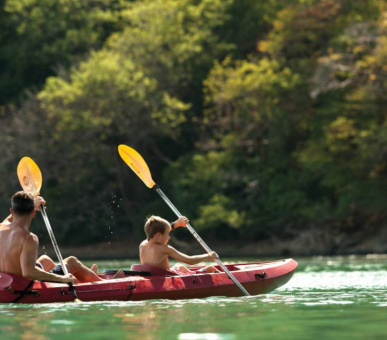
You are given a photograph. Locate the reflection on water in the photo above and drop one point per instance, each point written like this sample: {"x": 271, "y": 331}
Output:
{"x": 206, "y": 336}
{"x": 330, "y": 298}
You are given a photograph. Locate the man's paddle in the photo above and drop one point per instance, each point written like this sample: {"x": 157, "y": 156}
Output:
{"x": 31, "y": 180}
{"x": 134, "y": 160}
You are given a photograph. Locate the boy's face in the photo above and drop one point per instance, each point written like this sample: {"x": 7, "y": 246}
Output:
{"x": 164, "y": 238}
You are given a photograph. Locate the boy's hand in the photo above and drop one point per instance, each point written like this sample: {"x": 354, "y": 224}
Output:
{"x": 181, "y": 222}
{"x": 213, "y": 255}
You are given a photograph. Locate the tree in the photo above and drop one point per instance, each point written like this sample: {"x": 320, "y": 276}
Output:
{"x": 40, "y": 38}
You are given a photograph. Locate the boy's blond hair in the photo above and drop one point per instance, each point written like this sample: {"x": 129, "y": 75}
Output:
{"x": 154, "y": 225}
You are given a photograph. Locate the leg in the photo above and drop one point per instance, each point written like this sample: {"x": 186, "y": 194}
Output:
{"x": 94, "y": 268}
{"x": 46, "y": 262}
{"x": 80, "y": 271}
{"x": 84, "y": 274}
{"x": 210, "y": 269}
{"x": 180, "y": 268}
{"x": 119, "y": 275}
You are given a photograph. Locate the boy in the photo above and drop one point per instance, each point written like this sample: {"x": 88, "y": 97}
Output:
{"x": 155, "y": 250}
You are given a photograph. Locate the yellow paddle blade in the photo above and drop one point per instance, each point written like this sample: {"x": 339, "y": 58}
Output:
{"x": 134, "y": 160}
{"x": 29, "y": 175}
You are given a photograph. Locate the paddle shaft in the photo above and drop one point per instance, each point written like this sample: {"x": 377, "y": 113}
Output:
{"x": 199, "y": 239}
{"x": 56, "y": 248}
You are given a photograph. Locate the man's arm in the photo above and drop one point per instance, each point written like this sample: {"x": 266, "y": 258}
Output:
{"x": 28, "y": 263}
{"x": 191, "y": 260}
{"x": 8, "y": 220}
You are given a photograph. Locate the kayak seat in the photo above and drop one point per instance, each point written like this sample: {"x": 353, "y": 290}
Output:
{"x": 156, "y": 271}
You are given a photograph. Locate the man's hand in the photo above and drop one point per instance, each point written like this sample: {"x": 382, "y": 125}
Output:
{"x": 68, "y": 278}
{"x": 38, "y": 201}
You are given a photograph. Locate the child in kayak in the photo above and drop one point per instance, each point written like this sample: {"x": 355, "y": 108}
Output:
{"x": 155, "y": 250}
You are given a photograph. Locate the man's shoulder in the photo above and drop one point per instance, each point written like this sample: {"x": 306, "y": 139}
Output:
{"x": 31, "y": 238}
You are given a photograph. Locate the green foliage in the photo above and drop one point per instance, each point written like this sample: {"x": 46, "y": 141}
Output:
{"x": 219, "y": 214}
{"x": 42, "y": 37}
{"x": 244, "y": 100}
{"x": 259, "y": 118}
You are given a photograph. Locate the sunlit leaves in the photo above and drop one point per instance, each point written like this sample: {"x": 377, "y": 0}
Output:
{"x": 259, "y": 116}
{"x": 244, "y": 98}
{"x": 219, "y": 213}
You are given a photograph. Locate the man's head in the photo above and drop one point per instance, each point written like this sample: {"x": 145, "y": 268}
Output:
{"x": 154, "y": 225}
{"x": 22, "y": 203}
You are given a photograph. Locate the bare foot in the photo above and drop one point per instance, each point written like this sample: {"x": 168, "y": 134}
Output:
{"x": 119, "y": 275}
{"x": 94, "y": 268}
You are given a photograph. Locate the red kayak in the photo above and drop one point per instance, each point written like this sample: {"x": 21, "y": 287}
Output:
{"x": 146, "y": 282}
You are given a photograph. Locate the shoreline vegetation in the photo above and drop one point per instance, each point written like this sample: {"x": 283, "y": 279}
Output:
{"x": 264, "y": 121}
{"x": 304, "y": 245}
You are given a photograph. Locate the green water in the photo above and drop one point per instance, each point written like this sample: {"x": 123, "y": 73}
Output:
{"x": 327, "y": 298}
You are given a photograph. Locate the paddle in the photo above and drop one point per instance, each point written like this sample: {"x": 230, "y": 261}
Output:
{"x": 31, "y": 180}
{"x": 134, "y": 160}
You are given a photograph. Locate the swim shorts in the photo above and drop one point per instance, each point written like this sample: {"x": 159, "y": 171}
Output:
{"x": 57, "y": 270}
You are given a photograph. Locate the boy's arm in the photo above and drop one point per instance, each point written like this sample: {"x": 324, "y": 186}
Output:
{"x": 181, "y": 257}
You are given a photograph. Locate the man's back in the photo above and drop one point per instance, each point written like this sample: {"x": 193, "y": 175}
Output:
{"x": 12, "y": 238}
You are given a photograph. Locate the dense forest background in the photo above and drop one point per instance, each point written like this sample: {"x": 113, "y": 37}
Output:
{"x": 263, "y": 121}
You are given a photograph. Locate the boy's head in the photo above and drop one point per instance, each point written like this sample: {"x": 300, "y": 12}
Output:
{"x": 22, "y": 203}
{"x": 154, "y": 225}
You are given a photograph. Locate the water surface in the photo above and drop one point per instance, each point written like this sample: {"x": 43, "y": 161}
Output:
{"x": 327, "y": 298}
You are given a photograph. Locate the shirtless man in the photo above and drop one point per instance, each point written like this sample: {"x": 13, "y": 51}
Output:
{"x": 19, "y": 247}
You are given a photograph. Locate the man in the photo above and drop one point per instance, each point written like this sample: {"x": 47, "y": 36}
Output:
{"x": 19, "y": 247}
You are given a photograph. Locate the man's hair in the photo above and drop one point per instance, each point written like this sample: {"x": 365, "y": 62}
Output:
{"x": 154, "y": 225}
{"x": 22, "y": 203}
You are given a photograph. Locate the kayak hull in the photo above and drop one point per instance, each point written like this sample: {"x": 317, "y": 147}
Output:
{"x": 256, "y": 278}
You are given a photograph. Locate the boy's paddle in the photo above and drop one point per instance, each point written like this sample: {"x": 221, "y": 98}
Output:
{"x": 134, "y": 160}
{"x": 31, "y": 180}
